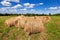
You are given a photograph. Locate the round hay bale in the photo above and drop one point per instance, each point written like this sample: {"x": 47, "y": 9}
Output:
{"x": 10, "y": 22}
{"x": 33, "y": 26}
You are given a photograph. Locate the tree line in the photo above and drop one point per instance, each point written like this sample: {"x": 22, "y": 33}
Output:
{"x": 30, "y": 14}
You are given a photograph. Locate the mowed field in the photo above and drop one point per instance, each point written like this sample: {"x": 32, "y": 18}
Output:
{"x": 13, "y": 33}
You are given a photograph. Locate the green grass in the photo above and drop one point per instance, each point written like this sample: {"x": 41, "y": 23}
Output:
{"x": 13, "y": 33}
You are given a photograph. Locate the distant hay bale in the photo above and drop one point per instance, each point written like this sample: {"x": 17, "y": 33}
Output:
{"x": 13, "y": 21}
{"x": 10, "y": 22}
{"x": 45, "y": 19}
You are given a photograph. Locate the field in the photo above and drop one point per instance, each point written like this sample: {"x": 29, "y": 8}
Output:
{"x": 13, "y": 33}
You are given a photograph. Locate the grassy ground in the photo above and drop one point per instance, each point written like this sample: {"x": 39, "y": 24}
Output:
{"x": 13, "y": 33}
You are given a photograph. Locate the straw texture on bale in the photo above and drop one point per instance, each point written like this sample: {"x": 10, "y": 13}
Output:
{"x": 45, "y": 19}
{"x": 10, "y": 22}
{"x": 33, "y": 26}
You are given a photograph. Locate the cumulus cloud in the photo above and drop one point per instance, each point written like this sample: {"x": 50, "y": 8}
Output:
{"x": 53, "y": 8}
{"x": 59, "y": 7}
{"x": 8, "y": 10}
{"x": 41, "y": 3}
{"x": 31, "y": 6}
{"x": 17, "y": 6}
{"x": 5, "y": 3}
{"x": 23, "y": 9}
{"x": 12, "y": 10}
{"x": 2, "y": 9}
{"x": 32, "y": 9}
{"x": 28, "y": 5}
{"x": 12, "y": 0}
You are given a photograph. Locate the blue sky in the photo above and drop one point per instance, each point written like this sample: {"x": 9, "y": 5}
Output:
{"x": 30, "y": 6}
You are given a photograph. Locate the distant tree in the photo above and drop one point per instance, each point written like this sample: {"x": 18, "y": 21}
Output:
{"x": 49, "y": 14}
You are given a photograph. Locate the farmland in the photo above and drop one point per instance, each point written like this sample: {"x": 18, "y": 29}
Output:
{"x": 13, "y": 33}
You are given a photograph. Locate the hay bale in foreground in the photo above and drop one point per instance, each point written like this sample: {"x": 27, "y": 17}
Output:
{"x": 36, "y": 25}
{"x": 33, "y": 26}
{"x": 20, "y": 21}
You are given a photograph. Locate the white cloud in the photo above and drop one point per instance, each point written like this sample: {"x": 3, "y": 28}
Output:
{"x": 28, "y": 5}
{"x": 53, "y": 8}
{"x": 41, "y": 3}
{"x": 8, "y": 10}
{"x": 13, "y": 0}
{"x": 59, "y": 7}
{"x": 32, "y": 9}
{"x": 17, "y": 6}
{"x": 31, "y": 6}
{"x": 12, "y": 11}
{"x": 23, "y": 9}
{"x": 5, "y": 3}
{"x": 2, "y": 9}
